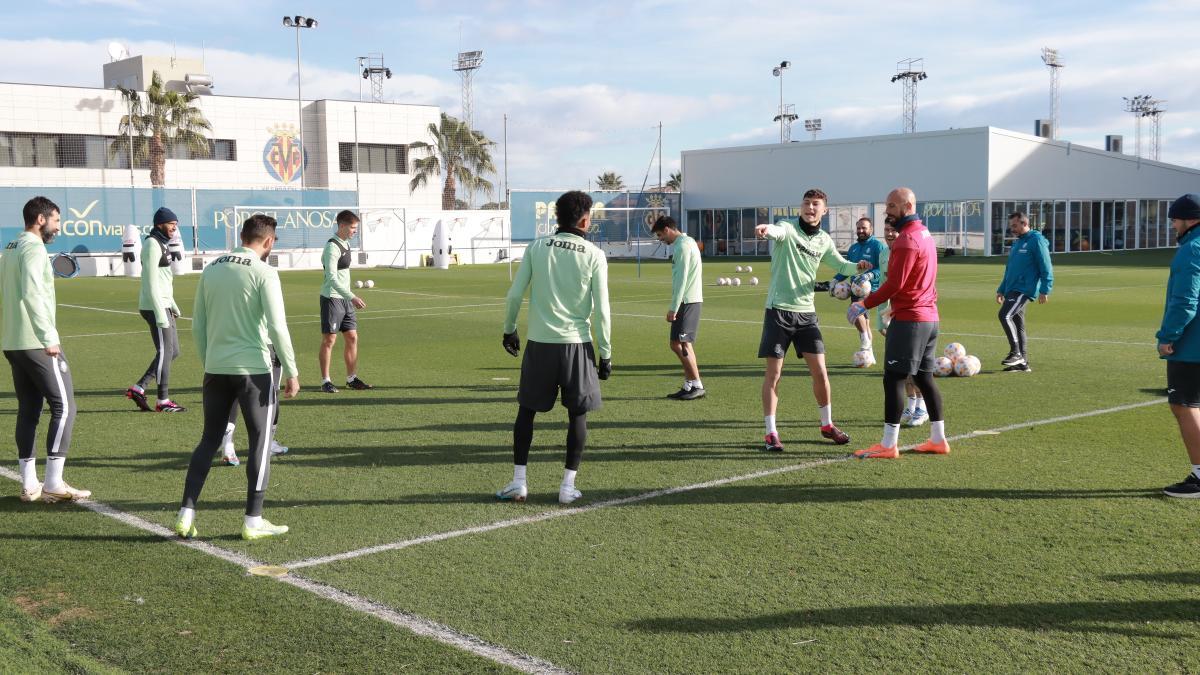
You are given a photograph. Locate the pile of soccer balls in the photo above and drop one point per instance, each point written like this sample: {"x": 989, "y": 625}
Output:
{"x": 370, "y": 283}
{"x": 956, "y": 361}
{"x": 736, "y": 281}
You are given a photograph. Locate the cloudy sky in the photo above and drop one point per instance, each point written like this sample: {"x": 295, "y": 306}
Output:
{"x": 585, "y": 85}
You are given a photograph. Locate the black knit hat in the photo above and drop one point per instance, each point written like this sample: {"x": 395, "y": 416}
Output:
{"x": 1186, "y": 207}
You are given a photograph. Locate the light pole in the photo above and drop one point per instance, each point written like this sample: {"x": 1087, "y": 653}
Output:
{"x": 813, "y": 125}
{"x": 777, "y": 71}
{"x": 299, "y": 22}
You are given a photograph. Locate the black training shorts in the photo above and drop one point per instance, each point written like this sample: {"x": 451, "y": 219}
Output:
{"x": 548, "y": 369}
{"x": 686, "y": 323}
{"x": 782, "y": 328}
{"x": 910, "y": 346}
{"x": 1183, "y": 383}
{"x": 337, "y": 316}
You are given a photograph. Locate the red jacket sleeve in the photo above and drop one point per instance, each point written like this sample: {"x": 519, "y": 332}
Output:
{"x": 899, "y": 267}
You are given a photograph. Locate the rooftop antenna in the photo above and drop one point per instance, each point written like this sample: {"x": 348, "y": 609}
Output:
{"x": 910, "y": 71}
{"x": 1050, "y": 58}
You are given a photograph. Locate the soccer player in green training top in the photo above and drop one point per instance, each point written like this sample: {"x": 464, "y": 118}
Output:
{"x": 30, "y": 342}
{"x": 687, "y": 297}
{"x": 791, "y": 318}
{"x": 237, "y": 295}
{"x": 156, "y": 302}
{"x": 568, "y": 280}
{"x": 338, "y": 303}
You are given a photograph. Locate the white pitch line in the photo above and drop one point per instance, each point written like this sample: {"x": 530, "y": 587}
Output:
{"x": 111, "y": 311}
{"x": 132, "y": 332}
{"x": 574, "y": 511}
{"x": 979, "y": 335}
{"x": 411, "y": 622}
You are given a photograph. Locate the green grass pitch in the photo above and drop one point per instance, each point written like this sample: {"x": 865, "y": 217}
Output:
{"x": 1046, "y": 547}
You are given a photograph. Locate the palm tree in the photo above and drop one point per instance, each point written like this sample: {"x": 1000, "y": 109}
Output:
{"x": 461, "y": 153}
{"x": 675, "y": 182}
{"x": 164, "y": 119}
{"x": 609, "y": 180}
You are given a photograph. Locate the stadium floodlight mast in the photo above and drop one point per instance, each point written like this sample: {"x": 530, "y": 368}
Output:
{"x": 373, "y": 70}
{"x": 299, "y": 22}
{"x": 465, "y": 65}
{"x": 813, "y": 125}
{"x": 1146, "y": 106}
{"x": 786, "y": 115}
{"x": 910, "y": 71}
{"x": 1050, "y": 58}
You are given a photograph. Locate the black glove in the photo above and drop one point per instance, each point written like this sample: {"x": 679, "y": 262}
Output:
{"x": 512, "y": 343}
{"x": 605, "y": 368}
{"x": 821, "y": 286}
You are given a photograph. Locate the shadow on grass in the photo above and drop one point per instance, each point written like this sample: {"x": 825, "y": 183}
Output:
{"x": 1189, "y": 578}
{"x": 1102, "y": 617}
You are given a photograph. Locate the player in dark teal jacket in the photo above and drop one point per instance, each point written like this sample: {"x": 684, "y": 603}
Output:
{"x": 1028, "y": 275}
{"x": 868, "y": 248}
{"x": 1179, "y": 337}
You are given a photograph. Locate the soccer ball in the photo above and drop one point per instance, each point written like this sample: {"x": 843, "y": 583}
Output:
{"x": 942, "y": 366}
{"x": 358, "y": 284}
{"x": 737, "y": 281}
{"x": 860, "y": 288}
{"x": 864, "y": 359}
{"x": 841, "y": 290}
{"x": 967, "y": 366}
{"x": 753, "y": 281}
{"x": 370, "y": 283}
{"x": 954, "y": 351}
{"x": 749, "y": 268}
{"x": 738, "y": 268}
{"x": 720, "y": 281}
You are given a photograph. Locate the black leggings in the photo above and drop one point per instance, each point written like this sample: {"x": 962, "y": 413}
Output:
{"x": 893, "y": 395}
{"x": 523, "y": 436}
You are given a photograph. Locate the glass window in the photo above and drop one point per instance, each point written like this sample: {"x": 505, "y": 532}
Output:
{"x": 1076, "y": 225}
{"x": 693, "y": 224}
{"x": 1116, "y": 222}
{"x": 999, "y": 225}
{"x": 1059, "y": 242}
{"x": 733, "y": 222}
{"x": 749, "y": 244}
{"x": 372, "y": 158}
{"x": 22, "y": 150}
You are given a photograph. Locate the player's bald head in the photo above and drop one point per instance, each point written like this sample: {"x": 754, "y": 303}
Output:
{"x": 901, "y": 202}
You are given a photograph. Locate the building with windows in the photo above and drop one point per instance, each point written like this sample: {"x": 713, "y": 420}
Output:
{"x": 65, "y": 136}
{"x": 967, "y": 182}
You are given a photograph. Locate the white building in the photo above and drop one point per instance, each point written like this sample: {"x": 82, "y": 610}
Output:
{"x": 60, "y": 136}
{"x": 967, "y": 182}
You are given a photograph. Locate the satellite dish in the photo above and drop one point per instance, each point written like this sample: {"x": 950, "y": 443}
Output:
{"x": 117, "y": 51}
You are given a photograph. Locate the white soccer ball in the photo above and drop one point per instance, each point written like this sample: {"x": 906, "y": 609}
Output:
{"x": 738, "y": 268}
{"x": 864, "y": 359}
{"x": 967, "y": 366}
{"x": 737, "y": 281}
{"x": 841, "y": 290}
{"x": 358, "y": 284}
{"x": 753, "y": 281}
{"x": 720, "y": 281}
{"x": 942, "y": 366}
{"x": 370, "y": 283}
{"x": 954, "y": 351}
{"x": 860, "y": 288}
{"x": 749, "y": 268}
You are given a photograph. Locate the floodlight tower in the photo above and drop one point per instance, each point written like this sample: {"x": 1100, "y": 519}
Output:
{"x": 813, "y": 125}
{"x": 1050, "y": 58}
{"x": 787, "y": 113}
{"x": 911, "y": 71}
{"x": 374, "y": 70}
{"x": 466, "y": 64}
{"x": 1138, "y": 106}
{"x": 1155, "y": 110}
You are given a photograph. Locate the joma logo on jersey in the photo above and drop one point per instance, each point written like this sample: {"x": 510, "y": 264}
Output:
{"x": 11, "y": 245}
{"x": 568, "y": 245}
{"x": 234, "y": 259}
